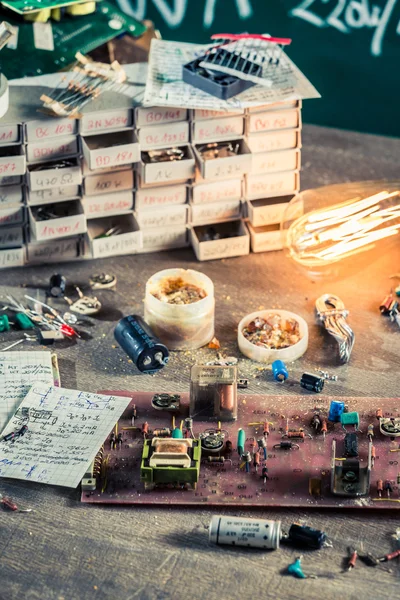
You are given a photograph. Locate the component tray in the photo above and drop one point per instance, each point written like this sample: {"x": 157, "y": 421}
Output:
{"x": 289, "y": 471}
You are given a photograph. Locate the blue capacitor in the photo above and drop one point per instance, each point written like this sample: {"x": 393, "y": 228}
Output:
{"x": 335, "y": 411}
{"x": 241, "y": 441}
{"x": 279, "y": 371}
{"x": 177, "y": 433}
{"x": 141, "y": 345}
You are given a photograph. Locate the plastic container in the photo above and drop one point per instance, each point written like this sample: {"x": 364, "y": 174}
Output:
{"x": 181, "y": 326}
{"x": 266, "y": 355}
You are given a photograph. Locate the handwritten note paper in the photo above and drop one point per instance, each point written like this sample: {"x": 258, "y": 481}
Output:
{"x": 66, "y": 428}
{"x": 18, "y": 372}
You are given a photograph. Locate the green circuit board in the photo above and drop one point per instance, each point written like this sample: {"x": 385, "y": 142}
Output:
{"x": 28, "y": 58}
{"x": 23, "y": 7}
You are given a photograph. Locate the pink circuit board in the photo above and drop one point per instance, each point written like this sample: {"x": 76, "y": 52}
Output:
{"x": 289, "y": 471}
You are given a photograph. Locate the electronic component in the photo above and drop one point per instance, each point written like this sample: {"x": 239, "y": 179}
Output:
{"x": 241, "y": 440}
{"x": 370, "y": 431}
{"x": 217, "y": 84}
{"x": 351, "y": 445}
{"x": 170, "y": 461}
{"x": 103, "y": 281}
{"x": 336, "y": 409}
{"x": 306, "y": 537}
{"x": 286, "y": 446}
{"x": 390, "y": 427}
{"x": 332, "y": 313}
{"x": 262, "y": 444}
{"x": 177, "y": 433}
{"x": 137, "y": 339}
{"x": 4, "y": 323}
{"x": 350, "y": 418}
{"x": 348, "y": 476}
{"x": 46, "y": 338}
{"x": 23, "y": 321}
{"x": 246, "y": 461}
{"x": 353, "y": 555}
{"x": 253, "y": 533}
{"x": 216, "y": 459}
{"x": 316, "y": 423}
{"x": 57, "y": 285}
{"x": 213, "y": 392}
{"x": 279, "y": 371}
{"x": 85, "y": 305}
{"x": 296, "y": 570}
{"x": 315, "y": 486}
{"x": 212, "y": 442}
{"x": 168, "y": 402}
{"x": 312, "y": 383}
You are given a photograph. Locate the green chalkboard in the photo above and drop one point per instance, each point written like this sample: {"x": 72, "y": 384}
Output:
{"x": 349, "y": 49}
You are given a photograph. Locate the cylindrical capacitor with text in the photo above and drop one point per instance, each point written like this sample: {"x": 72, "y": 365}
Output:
{"x": 254, "y": 533}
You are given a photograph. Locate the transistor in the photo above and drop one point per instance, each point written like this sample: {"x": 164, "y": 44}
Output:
{"x": 141, "y": 345}
{"x": 311, "y": 382}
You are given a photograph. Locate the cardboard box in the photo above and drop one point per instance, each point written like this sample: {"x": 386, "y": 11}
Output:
{"x": 127, "y": 242}
{"x": 12, "y": 258}
{"x": 159, "y": 239}
{"x": 286, "y": 104}
{"x": 69, "y": 192}
{"x": 106, "y": 121}
{"x": 52, "y": 175}
{"x": 165, "y": 216}
{"x": 239, "y": 245}
{"x": 114, "y": 181}
{"x": 267, "y": 238}
{"x": 62, "y": 147}
{"x": 55, "y": 251}
{"x": 158, "y": 115}
{"x": 274, "y": 162}
{"x": 216, "y": 212}
{"x": 106, "y": 205}
{"x": 12, "y": 215}
{"x": 274, "y": 140}
{"x": 11, "y": 237}
{"x": 110, "y": 149}
{"x": 167, "y": 195}
{"x": 11, "y": 134}
{"x": 205, "y": 192}
{"x": 11, "y": 194}
{"x": 225, "y": 168}
{"x": 65, "y": 225}
{"x": 41, "y": 129}
{"x": 12, "y": 161}
{"x": 271, "y": 185}
{"x": 170, "y": 171}
{"x": 273, "y": 120}
{"x": 201, "y": 114}
{"x": 164, "y": 136}
{"x": 267, "y": 211}
{"x": 218, "y": 129}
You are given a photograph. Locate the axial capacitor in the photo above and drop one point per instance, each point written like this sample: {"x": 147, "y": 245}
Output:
{"x": 255, "y": 533}
{"x": 241, "y": 441}
{"x": 279, "y": 371}
{"x": 141, "y": 345}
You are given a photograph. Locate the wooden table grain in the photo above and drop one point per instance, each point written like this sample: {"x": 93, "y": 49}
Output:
{"x": 67, "y": 550}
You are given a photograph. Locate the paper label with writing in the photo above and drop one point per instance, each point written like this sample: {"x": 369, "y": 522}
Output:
{"x": 58, "y": 228}
{"x": 54, "y": 178}
{"x": 273, "y": 162}
{"x": 68, "y": 192}
{"x": 10, "y": 134}
{"x": 109, "y": 120}
{"x": 218, "y": 129}
{"x": 223, "y": 168}
{"x": 12, "y": 165}
{"x": 276, "y": 140}
{"x": 164, "y": 239}
{"x": 107, "y": 204}
{"x": 268, "y": 214}
{"x": 236, "y": 246}
{"x": 11, "y": 194}
{"x": 168, "y": 172}
{"x": 215, "y": 191}
{"x": 12, "y": 258}
{"x": 200, "y": 114}
{"x": 52, "y": 148}
{"x": 125, "y": 243}
{"x": 11, "y": 237}
{"x": 218, "y": 211}
{"x": 163, "y": 136}
{"x": 266, "y": 241}
{"x": 160, "y": 196}
{"x": 40, "y": 130}
{"x": 101, "y": 158}
{"x": 109, "y": 182}
{"x": 12, "y": 215}
{"x": 56, "y": 251}
{"x": 274, "y": 184}
{"x": 163, "y": 217}
{"x": 275, "y": 106}
{"x": 271, "y": 120}
{"x": 156, "y": 115}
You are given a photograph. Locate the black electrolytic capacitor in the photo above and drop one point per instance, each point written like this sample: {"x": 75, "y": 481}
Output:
{"x": 306, "y": 537}
{"x": 57, "y": 285}
{"x": 310, "y": 382}
{"x": 141, "y": 345}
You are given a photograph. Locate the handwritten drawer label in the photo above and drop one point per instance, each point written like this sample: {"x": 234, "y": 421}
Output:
{"x": 43, "y": 129}
{"x": 106, "y": 121}
{"x": 109, "y": 182}
{"x": 163, "y": 136}
{"x": 54, "y": 178}
{"x": 169, "y": 215}
{"x": 53, "y": 195}
{"x": 219, "y": 211}
{"x": 218, "y": 129}
{"x": 125, "y": 243}
{"x": 107, "y": 204}
{"x": 236, "y": 246}
{"x": 12, "y": 258}
{"x": 203, "y": 193}
{"x": 10, "y": 237}
{"x": 274, "y": 106}
{"x": 267, "y": 212}
{"x": 59, "y": 228}
{"x": 275, "y": 184}
{"x": 266, "y": 241}
{"x": 9, "y": 134}
{"x": 12, "y": 165}
{"x": 272, "y": 162}
{"x": 277, "y": 119}
{"x": 11, "y": 216}
{"x": 112, "y": 149}
{"x": 221, "y": 168}
{"x": 159, "y": 115}
{"x": 277, "y": 140}
{"x": 60, "y": 250}
{"x": 160, "y": 196}
{"x": 11, "y": 194}
{"x": 163, "y": 239}
{"x": 201, "y": 114}
{"x": 52, "y": 148}
{"x": 165, "y": 172}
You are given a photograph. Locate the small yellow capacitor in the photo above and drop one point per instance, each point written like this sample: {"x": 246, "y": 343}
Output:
{"x": 81, "y": 9}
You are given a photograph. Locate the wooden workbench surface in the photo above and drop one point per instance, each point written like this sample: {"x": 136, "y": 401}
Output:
{"x": 68, "y": 550}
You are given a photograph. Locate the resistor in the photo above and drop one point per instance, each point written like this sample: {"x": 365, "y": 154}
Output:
{"x": 352, "y": 560}
{"x": 388, "y": 488}
{"x": 228, "y": 448}
{"x": 134, "y": 414}
{"x": 390, "y": 556}
{"x": 216, "y": 459}
{"x": 7, "y": 503}
{"x": 112, "y": 440}
{"x": 262, "y": 444}
{"x": 373, "y": 455}
{"x": 324, "y": 428}
{"x": 266, "y": 429}
{"x": 379, "y": 487}
{"x": 264, "y": 474}
{"x": 256, "y": 461}
{"x": 246, "y": 458}
{"x": 370, "y": 431}
{"x": 295, "y": 435}
{"x": 145, "y": 429}
{"x": 379, "y": 413}
{"x": 163, "y": 432}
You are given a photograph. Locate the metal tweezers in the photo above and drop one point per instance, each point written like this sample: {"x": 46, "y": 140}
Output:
{"x": 332, "y": 313}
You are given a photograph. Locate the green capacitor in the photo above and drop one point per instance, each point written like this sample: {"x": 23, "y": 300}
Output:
{"x": 177, "y": 433}
{"x": 4, "y": 323}
{"x": 241, "y": 441}
{"x": 23, "y": 321}
{"x": 350, "y": 418}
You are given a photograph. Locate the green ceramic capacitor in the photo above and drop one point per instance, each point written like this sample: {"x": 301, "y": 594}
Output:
{"x": 177, "y": 433}
{"x": 4, "y": 323}
{"x": 23, "y": 321}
